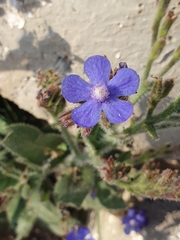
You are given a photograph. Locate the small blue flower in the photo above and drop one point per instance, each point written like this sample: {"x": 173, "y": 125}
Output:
{"x": 134, "y": 220}
{"x": 100, "y": 94}
{"x": 93, "y": 193}
{"x": 80, "y": 233}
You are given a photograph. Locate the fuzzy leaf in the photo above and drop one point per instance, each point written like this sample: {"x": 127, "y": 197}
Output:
{"x": 105, "y": 197}
{"x": 50, "y": 216}
{"x": 151, "y": 130}
{"x": 14, "y": 208}
{"x": 6, "y": 182}
{"x": 98, "y": 139}
{"x": 109, "y": 197}
{"x": 28, "y": 216}
{"x": 29, "y": 143}
{"x": 25, "y": 223}
{"x": 70, "y": 190}
{"x": 45, "y": 211}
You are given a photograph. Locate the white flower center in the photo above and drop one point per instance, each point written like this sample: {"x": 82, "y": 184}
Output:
{"x": 99, "y": 92}
{"x": 132, "y": 222}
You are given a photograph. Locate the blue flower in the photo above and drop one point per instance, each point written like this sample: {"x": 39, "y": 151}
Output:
{"x": 100, "y": 94}
{"x": 134, "y": 220}
{"x": 80, "y": 233}
{"x": 93, "y": 193}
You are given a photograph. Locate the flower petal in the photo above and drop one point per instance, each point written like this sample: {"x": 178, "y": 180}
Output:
{"x": 117, "y": 111}
{"x": 83, "y": 232}
{"x": 124, "y": 83}
{"x": 140, "y": 219}
{"x": 88, "y": 114}
{"x": 75, "y": 89}
{"x": 97, "y": 68}
{"x": 131, "y": 212}
{"x": 127, "y": 229}
{"x": 71, "y": 236}
{"x": 125, "y": 220}
{"x": 80, "y": 234}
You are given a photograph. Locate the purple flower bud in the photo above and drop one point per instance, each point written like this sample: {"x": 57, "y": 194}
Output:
{"x": 123, "y": 65}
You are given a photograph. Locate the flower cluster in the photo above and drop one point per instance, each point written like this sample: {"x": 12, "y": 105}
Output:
{"x": 102, "y": 94}
{"x": 134, "y": 220}
{"x": 79, "y": 233}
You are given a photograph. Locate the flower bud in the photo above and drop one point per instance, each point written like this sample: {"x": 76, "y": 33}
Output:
{"x": 66, "y": 120}
{"x": 167, "y": 87}
{"x": 123, "y": 65}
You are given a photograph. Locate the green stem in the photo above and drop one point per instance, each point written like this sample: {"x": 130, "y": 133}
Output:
{"x": 150, "y": 112}
{"x": 157, "y": 47}
{"x": 69, "y": 141}
{"x": 95, "y": 159}
{"x": 30, "y": 165}
{"x": 170, "y": 18}
{"x": 167, "y": 67}
{"x": 173, "y": 107}
{"x": 147, "y": 69}
{"x": 68, "y": 138}
{"x": 137, "y": 128}
{"x": 162, "y": 7}
{"x": 11, "y": 175}
{"x": 143, "y": 89}
{"x": 175, "y": 58}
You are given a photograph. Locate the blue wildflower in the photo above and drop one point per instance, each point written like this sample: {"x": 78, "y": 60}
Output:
{"x": 93, "y": 193}
{"x": 80, "y": 233}
{"x": 134, "y": 220}
{"x": 101, "y": 94}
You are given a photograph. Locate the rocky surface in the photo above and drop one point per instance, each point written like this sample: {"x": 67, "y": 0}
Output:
{"x": 37, "y": 34}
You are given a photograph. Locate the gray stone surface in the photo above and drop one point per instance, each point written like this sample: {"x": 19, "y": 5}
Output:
{"x": 60, "y": 34}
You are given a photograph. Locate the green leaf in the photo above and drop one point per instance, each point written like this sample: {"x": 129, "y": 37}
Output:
{"x": 93, "y": 203}
{"x": 50, "y": 215}
{"x": 51, "y": 140}
{"x": 73, "y": 190}
{"x": 151, "y": 130}
{"x": 25, "y": 223}
{"x": 30, "y": 143}
{"x": 107, "y": 197}
{"x": 45, "y": 212}
{"x": 6, "y": 182}
{"x": 98, "y": 138}
{"x": 14, "y": 208}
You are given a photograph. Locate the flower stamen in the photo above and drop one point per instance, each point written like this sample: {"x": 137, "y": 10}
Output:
{"x": 99, "y": 93}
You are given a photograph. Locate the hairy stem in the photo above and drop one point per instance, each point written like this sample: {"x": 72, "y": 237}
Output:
{"x": 162, "y": 7}
{"x": 175, "y": 58}
{"x": 70, "y": 141}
